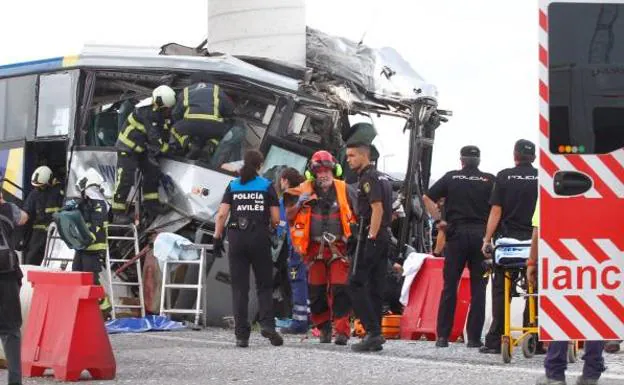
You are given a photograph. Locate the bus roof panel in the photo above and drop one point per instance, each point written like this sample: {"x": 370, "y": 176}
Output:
{"x": 113, "y": 57}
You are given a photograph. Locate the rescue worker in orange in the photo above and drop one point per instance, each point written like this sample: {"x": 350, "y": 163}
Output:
{"x": 320, "y": 224}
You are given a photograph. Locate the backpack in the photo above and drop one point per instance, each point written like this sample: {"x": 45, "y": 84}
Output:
{"x": 8, "y": 258}
{"x": 73, "y": 229}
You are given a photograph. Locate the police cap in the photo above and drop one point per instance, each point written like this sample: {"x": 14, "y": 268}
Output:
{"x": 470, "y": 152}
{"x": 524, "y": 147}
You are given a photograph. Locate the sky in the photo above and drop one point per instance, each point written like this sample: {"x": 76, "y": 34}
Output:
{"x": 481, "y": 55}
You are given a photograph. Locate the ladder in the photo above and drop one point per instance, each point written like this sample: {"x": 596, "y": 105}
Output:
{"x": 112, "y": 282}
{"x": 165, "y": 294}
{"x": 53, "y": 238}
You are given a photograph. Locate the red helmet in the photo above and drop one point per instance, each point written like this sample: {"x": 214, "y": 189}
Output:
{"x": 322, "y": 159}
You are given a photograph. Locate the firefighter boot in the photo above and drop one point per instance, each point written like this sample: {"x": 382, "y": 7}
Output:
{"x": 326, "y": 333}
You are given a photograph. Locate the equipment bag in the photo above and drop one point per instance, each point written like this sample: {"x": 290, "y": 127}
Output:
{"x": 8, "y": 258}
{"x": 73, "y": 229}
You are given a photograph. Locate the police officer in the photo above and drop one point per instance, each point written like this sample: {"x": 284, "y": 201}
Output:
{"x": 10, "y": 284}
{"x": 199, "y": 116}
{"x": 466, "y": 193}
{"x": 251, "y": 202}
{"x": 45, "y": 199}
{"x": 374, "y": 203}
{"x": 144, "y": 137}
{"x": 513, "y": 202}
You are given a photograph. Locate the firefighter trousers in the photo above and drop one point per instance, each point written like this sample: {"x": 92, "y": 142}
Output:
{"x": 199, "y": 130}
{"x": 89, "y": 261}
{"x": 327, "y": 280}
{"x": 127, "y": 164}
{"x": 35, "y": 249}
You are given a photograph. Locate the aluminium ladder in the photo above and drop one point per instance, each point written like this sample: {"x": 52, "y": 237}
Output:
{"x": 166, "y": 295}
{"x": 112, "y": 282}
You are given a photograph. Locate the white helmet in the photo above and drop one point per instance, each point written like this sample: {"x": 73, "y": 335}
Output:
{"x": 164, "y": 96}
{"x": 41, "y": 176}
{"x": 90, "y": 178}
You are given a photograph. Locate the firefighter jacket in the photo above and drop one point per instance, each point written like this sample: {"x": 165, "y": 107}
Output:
{"x": 94, "y": 210}
{"x": 300, "y": 227}
{"x": 203, "y": 101}
{"x": 146, "y": 129}
{"x": 41, "y": 203}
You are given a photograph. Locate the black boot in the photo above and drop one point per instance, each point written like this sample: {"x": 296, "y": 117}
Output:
{"x": 369, "y": 344}
{"x": 242, "y": 343}
{"x": 274, "y": 337}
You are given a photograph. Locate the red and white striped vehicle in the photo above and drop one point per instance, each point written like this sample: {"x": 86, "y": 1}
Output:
{"x": 581, "y": 89}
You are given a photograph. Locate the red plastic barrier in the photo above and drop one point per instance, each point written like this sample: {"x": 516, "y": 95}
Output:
{"x": 65, "y": 331}
{"x": 420, "y": 316}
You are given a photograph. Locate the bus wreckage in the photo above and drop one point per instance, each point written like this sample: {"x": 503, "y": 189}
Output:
{"x": 67, "y": 112}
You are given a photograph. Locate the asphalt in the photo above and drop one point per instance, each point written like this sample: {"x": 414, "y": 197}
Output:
{"x": 210, "y": 357}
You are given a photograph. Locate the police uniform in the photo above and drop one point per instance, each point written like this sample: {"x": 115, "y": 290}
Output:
{"x": 40, "y": 204}
{"x": 515, "y": 191}
{"x": 249, "y": 240}
{"x": 94, "y": 210}
{"x": 139, "y": 143}
{"x": 10, "y": 283}
{"x": 367, "y": 282}
{"x": 199, "y": 115}
{"x": 466, "y": 194}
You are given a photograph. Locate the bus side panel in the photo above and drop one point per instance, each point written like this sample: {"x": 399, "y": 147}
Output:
{"x": 12, "y": 169}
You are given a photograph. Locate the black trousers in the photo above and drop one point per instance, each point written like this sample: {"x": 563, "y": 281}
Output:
{"x": 89, "y": 261}
{"x": 493, "y": 337}
{"x": 463, "y": 248}
{"x": 127, "y": 164}
{"x": 251, "y": 248}
{"x": 367, "y": 283}
{"x": 35, "y": 249}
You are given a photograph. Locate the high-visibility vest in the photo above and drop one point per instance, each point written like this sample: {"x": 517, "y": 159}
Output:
{"x": 300, "y": 226}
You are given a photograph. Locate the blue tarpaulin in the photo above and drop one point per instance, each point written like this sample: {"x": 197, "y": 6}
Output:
{"x": 140, "y": 325}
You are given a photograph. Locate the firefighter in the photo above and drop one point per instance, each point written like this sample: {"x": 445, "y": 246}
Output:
{"x": 513, "y": 200}
{"x": 45, "y": 199}
{"x": 10, "y": 284}
{"x": 139, "y": 144}
{"x": 297, "y": 270}
{"x": 556, "y": 361}
{"x": 466, "y": 193}
{"x": 320, "y": 224}
{"x": 94, "y": 210}
{"x": 199, "y": 116}
{"x": 252, "y": 205}
{"x": 375, "y": 213}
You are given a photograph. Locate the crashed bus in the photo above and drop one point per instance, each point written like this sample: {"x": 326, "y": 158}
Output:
{"x": 67, "y": 112}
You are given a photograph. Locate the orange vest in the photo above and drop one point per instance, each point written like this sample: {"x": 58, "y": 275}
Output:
{"x": 300, "y": 227}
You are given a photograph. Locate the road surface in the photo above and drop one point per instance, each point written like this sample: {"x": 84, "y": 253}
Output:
{"x": 210, "y": 357}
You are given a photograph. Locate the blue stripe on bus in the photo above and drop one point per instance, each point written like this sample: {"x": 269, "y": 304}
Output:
{"x": 31, "y": 66}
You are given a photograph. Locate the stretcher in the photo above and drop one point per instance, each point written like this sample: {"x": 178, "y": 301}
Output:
{"x": 511, "y": 257}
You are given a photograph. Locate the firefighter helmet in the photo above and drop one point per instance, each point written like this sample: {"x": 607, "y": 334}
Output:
{"x": 90, "y": 178}
{"x": 41, "y": 176}
{"x": 321, "y": 159}
{"x": 164, "y": 96}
